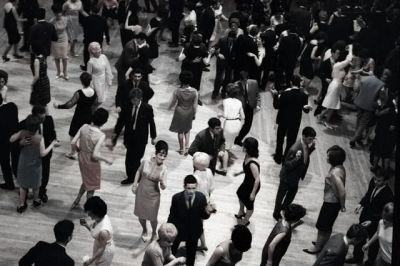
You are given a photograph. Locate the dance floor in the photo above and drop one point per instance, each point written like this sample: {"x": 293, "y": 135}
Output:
{"x": 21, "y": 231}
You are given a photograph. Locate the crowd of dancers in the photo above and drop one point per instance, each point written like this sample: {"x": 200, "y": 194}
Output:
{"x": 280, "y": 46}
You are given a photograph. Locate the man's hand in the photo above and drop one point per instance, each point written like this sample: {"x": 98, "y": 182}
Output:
{"x": 25, "y": 141}
{"x": 258, "y": 108}
{"x": 358, "y": 209}
{"x": 153, "y": 141}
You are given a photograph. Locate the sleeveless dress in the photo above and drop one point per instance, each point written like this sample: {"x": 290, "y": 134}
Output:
{"x": 230, "y": 255}
{"x": 147, "y": 202}
{"x": 246, "y": 187}
{"x": 100, "y": 70}
{"x": 90, "y": 168}
{"x": 184, "y": 110}
{"x": 29, "y": 173}
{"x": 59, "y": 49}
{"x": 72, "y": 13}
{"x": 280, "y": 248}
{"x": 233, "y": 112}
{"x": 10, "y": 25}
{"x": 106, "y": 258}
{"x": 205, "y": 182}
{"x": 40, "y": 94}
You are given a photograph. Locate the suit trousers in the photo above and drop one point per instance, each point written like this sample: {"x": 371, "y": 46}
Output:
{"x": 363, "y": 118}
{"x": 223, "y": 76}
{"x": 373, "y": 248}
{"x": 26, "y": 27}
{"x": 174, "y": 23}
{"x": 5, "y": 164}
{"x": 248, "y": 121}
{"x": 191, "y": 247}
{"x": 288, "y": 131}
{"x": 285, "y": 195}
{"x": 45, "y": 173}
{"x": 134, "y": 153}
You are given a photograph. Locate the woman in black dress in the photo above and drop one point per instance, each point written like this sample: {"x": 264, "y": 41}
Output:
{"x": 84, "y": 100}
{"x": 10, "y": 25}
{"x": 40, "y": 94}
{"x": 248, "y": 190}
{"x": 279, "y": 239}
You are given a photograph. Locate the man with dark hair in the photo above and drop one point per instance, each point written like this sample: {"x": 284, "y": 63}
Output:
{"x": 137, "y": 117}
{"x": 335, "y": 250}
{"x": 9, "y": 124}
{"x": 291, "y": 103}
{"x": 28, "y": 10}
{"x": 174, "y": 19}
{"x": 293, "y": 169}
{"x": 206, "y": 21}
{"x": 211, "y": 141}
{"x": 188, "y": 210}
{"x": 43, "y": 253}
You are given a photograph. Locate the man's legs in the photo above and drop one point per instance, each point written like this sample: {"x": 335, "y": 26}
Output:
{"x": 218, "y": 78}
{"x": 290, "y": 195}
{"x": 45, "y": 177}
{"x": 191, "y": 246}
{"x": 282, "y": 190}
{"x": 6, "y": 167}
{"x": 280, "y": 138}
{"x": 134, "y": 153}
{"x": 291, "y": 137}
{"x": 248, "y": 121}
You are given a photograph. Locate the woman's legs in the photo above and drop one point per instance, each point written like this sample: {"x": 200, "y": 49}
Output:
{"x": 181, "y": 142}
{"x": 89, "y": 194}
{"x": 144, "y": 227}
{"x": 203, "y": 244}
{"x": 72, "y": 48}
{"x": 64, "y": 64}
{"x": 246, "y": 218}
{"x": 58, "y": 66}
{"x": 187, "y": 138}
{"x": 22, "y": 196}
{"x": 241, "y": 209}
{"x": 78, "y": 197}
{"x": 154, "y": 229}
{"x": 5, "y": 53}
{"x": 322, "y": 238}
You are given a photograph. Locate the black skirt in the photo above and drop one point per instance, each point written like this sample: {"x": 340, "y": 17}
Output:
{"x": 327, "y": 216}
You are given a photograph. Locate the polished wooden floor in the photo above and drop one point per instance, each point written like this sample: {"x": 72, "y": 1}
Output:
{"x": 21, "y": 231}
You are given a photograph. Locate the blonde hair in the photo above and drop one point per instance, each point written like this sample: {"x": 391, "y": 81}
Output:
{"x": 167, "y": 231}
{"x": 92, "y": 46}
{"x": 201, "y": 160}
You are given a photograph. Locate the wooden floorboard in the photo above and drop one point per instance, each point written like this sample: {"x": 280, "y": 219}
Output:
{"x": 20, "y": 232}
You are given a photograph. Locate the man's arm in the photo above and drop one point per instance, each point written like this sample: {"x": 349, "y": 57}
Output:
{"x": 29, "y": 258}
{"x": 291, "y": 161}
{"x": 153, "y": 132}
{"x": 194, "y": 147}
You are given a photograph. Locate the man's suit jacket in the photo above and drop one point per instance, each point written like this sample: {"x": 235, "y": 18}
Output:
{"x": 46, "y": 254}
{"x": 325, "y": 72}
{"x": 42, "y": 34}
{"x": 293, "y": 168}
{"x": 203, "y": 142}
{"x": 301, "y": 17}
{"x": 8, "y": 122}
{"x": 28, "y": 9}
{"x": 372, "y": 208}
{"x": 290, "y": 106}
{"x": 189, "y": 222}
{"x": 145, "y": 119}
{"x": 289, "y": 49}
{"x": 94, "y": 28}
{"x": 206, "y": 23}
{"x": 122, "y": 96}
{"x": 253, "y": 94}
{"x": 243, "y": 45}
{"x": 333, "y": 253}
{"x": 49, "y": 132}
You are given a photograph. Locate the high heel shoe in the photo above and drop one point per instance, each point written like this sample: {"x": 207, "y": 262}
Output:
{"x": 5, "y": 58}
{"x": 240, "y": 216}
{"x": 22, "y": 208}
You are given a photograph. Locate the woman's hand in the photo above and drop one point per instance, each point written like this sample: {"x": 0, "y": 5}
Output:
{"x": 55, "y": 105}
{"x": 358, "y": 209}
{"x": 56, "y": 143}
{"x": 365, "y": 247}
{"x": 134, "y": 188}
{"x": 197, "y": 60}
{"x": 109, "y": 161}
{"x": 343, "y": 209}
{"x": 180, "y": 260}
{"x": 251, "y": 54}
{"x": 252, "y": 196}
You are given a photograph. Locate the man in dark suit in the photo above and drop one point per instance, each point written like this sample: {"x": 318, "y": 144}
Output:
{"x": 41, "y": 35}
{"x": 293, "y": 169}
{"x": 225, "y": 57}
{"x": 47, "y": 130}
{"x": 371, "y": 206}
{"x": 124, "y": 7}
{"x": 188, "y": 210}
{"x": 94, "y": 28}
{"x": 290, "y": 104}
{"x": 335, "y": 250}
{"x": 28, "y": 10}
{"x": 211, "y": 141}
{"x": 46, "y": 254}
{"x": 137, "y": 117}
{"x": 174, "y": 19}
{"x": 9, "y": 122}
{"x": 251, "y": 101}
{"x": 128, "y": 57}
{"x": 206, "y": 22}
{"x": 300, "y": 15}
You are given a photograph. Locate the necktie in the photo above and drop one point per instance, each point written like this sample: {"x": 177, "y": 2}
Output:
{"x": 190, "y": 201}
{"x": 305, "y": 155}
{"x": 373, "y": 194}
{"x": 246, "y": 98}
{"x": 134, "y": 117}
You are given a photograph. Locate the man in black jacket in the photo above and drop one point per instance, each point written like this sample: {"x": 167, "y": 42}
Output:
{"x": 188, "y": 210}
{"x": 46, "y": 254}
{"x": 28, "y": 10}
{"x": 206, "y": 21}
{"x": 174, "y": 19}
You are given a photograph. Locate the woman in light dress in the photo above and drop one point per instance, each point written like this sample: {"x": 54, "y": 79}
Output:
{"x": 71, "y": 9}
{"x": 59, "y": 49}
{"x": 185, "y": 101}
{"x": 259, "y": 58}
{"x": 150, "y": 177}
{"x": 90, "y": 139}
{"x": 219, "y": 16}
{"x": 233, "y": 115}
{"x": 102, "y": 232}
{"x": 100, "y": 69}
{"x": 332, "y": 99}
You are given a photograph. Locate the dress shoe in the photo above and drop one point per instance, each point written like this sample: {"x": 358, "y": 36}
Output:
{"x": 18, "y": 56}
{"x": 7, "y": 187}
{"x": 240, "y": 216}
{"x": 353, "y": 260}
{"x": 37, "y": 203}
{"x": 277, "y": 159}
{"x": 199, "y": 102}
{"x": 22, "y": 208}
{"x": 352, "y": 144}
{"x": 237, "y": 142}
{"x": 221, "y": 172}
{"x": 202, "y": 249}
{"x": 83, "y": 67}
{"x": 5, "y": 59}
{"x": 44, "y": 198}
{"x": 277, "y": 217}
{"x": 306, "y": 250}
{"x": 126, "y": 181}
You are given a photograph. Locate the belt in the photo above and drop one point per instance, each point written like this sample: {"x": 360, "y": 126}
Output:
{"x": 232, "y": 118}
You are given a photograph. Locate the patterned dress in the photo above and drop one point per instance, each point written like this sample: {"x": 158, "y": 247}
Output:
{"x": 29, "y": 173}
{"x": 40, "y": 94}
{"x": 100, "y": 70}
{"x": 106, "y": 258}
{"x": 184, "y": 110}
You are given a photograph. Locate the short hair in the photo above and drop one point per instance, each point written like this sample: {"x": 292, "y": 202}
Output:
{"x": 161, "y": 146}
{"x": 141, "y": 36}
{"x": 233, "y": 90}
{"x": 56, "y": 9}
{"x": 338, "y": 45}
{"x": 253, "y": 30}
{"x": 167, "y": 231}
{"x": 251, "y": 146}
{"x": 234, "y": 20}
{"x": 381, "y": 172}
{"x": 357, "y": 232}
{"x": 241, "y": 238}
{"x": 244, "y": 74}
{"x": 201, "y": 160}
{"x": 93, "y": 45}
{"x": 309, "y": 132}
{"x": 296, "y": 80}
{"x": 136, "y": 94}
{"x": 96, "y": 205}
{"x": 1, "y": 98}
{"x": 4, "y": 75}
{"x": 336, "y": 155}
{"x": 41, "y": 14}
{"x": 38, "y": 110}
{"x": 100, "y": 117}
{"x": 63, "y": 230}
{"x": 231, "y": 34}
{"x": 197, "y": 38}
{"x": 32, "y": 123}
{"x": 214, "y": 122}
{"x": 186, "y": 77}
{"x": 86, "y": 79}
{"x": 294, "y": 212}
{"x": 189, "y": 179}
{"x": 95, "y": 9}
{"x": 387, "y": 212}
{"x": 137, "y": 70}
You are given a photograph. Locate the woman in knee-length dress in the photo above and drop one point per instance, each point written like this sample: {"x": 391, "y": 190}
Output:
{"x": 185, "y": 98}
{"x": 59, "y": 49}
{"x": 100, "y": 69}
{"x": 71, "y": 10}
{"x": 90, "y": 139}
{"x": 40, "y": 94}
{"x": 102, "y": 232}
{"x": 233, "y": 115}
{"x": 151, "y": 176}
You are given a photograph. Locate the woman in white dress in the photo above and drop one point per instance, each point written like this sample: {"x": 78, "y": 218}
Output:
{"x": 331, "y": 101}
{"x": 71, "y": 9}
{"x": 100, "y": 69}
{"x": 233, "y": 115}
{"x": 59, "y": 49}
{"x": 102, "y": 232}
